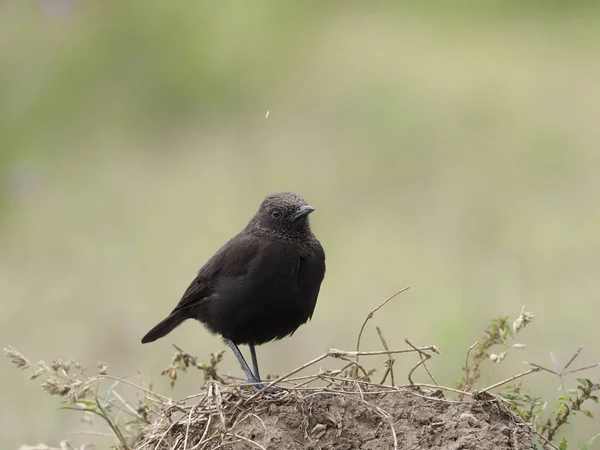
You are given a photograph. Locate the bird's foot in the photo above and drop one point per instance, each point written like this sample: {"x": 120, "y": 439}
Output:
{"x": 258, "y": 385}
{"x": 275, "y": 390}
{"x": 269, "y": 390}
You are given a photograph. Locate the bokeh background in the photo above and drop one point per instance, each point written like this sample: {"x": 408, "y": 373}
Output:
{"x": 447, "y": 146}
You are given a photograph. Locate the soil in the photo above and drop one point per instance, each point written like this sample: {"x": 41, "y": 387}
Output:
{"x": 365, "y": 419}
{"x": 345, "y": 422}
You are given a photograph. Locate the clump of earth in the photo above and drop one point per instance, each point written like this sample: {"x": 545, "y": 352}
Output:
{"x": 353, "y": 417}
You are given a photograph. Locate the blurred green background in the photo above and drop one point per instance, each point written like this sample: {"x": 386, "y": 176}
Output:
{"x": 449, "y": 147}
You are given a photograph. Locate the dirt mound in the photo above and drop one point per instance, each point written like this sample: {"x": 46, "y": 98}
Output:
{"x": 354, "y": 416}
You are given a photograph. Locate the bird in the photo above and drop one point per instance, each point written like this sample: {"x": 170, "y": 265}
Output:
{"x": 258, "y": 287}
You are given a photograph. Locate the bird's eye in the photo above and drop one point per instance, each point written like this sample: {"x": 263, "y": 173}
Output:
{"x": 275, "y": 213}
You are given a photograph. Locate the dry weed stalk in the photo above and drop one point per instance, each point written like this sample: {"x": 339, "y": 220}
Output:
{"x": 498, "y": 332}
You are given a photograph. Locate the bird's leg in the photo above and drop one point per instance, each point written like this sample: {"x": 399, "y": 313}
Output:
{"x": 247, "y": 371}
{"x": 254, "y": 361}
{"x": 272, "y": 389}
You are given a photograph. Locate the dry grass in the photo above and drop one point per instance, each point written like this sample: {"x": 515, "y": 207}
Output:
{"x": 219, "y": 415}
{"x": 214, "y": 418}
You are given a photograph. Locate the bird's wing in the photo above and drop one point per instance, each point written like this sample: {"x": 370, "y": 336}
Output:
{"x": 233, "y": 260}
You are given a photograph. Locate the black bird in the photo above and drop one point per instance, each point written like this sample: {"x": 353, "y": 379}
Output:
{"x": 261, "y": 285}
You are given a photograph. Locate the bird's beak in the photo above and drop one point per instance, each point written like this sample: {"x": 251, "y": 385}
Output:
{"x": 302, "y": 211}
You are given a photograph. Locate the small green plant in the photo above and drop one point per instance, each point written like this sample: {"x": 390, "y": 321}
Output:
{"x": 519, "y": 398}
{"x": 93, "y": 395}
{"x": 521, "y": 401}
{"x": 97, "y": 396}
{"x": 531, "y": 408}
{"x": 497, "y": 333}
{"x": 571, "y": 403}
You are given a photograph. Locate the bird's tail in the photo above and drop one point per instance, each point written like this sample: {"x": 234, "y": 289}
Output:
{"x": 164, "y": 327}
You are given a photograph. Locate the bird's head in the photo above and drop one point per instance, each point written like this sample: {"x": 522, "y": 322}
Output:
{"x": 283, "y": 212}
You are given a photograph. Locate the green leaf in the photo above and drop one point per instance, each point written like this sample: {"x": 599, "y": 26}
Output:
{"x": 588, "y": 413}
{"x": 108, "y": 392}
{"x": 588, "y": 444}
{"x": 539, "y": 446}
{"x": 563, "y": 444}
{"x": 93, "y": 411}
{"x": 586, "y": 383}
{"x": 87, "y": 403}
{"x": 71, "y": 408}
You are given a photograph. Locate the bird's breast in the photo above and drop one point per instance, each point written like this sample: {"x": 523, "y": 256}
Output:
{"x": 272, "y": 298}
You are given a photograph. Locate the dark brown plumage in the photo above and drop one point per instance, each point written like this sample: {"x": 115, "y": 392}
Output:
{"x": 261, "y": 285}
